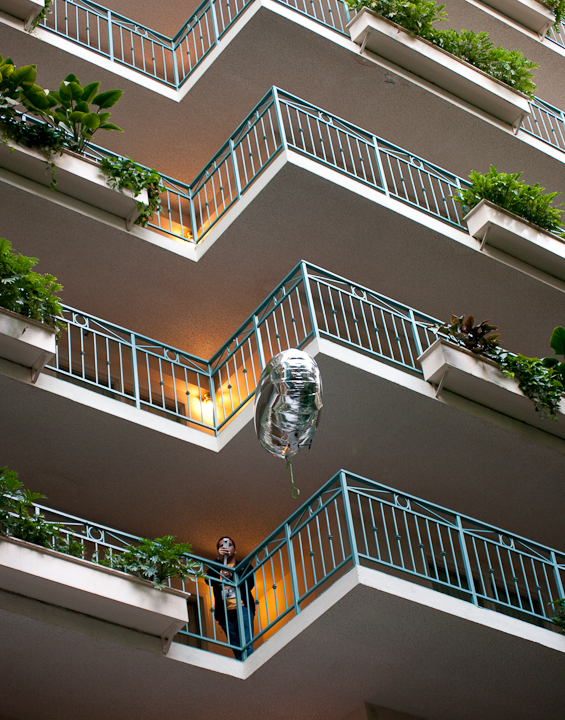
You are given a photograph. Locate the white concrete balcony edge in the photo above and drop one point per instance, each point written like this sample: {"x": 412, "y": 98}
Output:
{"x": 26, "y": 342}
{"x": 24, "y": 10}
{"x": 90, "y": 589}
{"x": 77, "y": 177}
{"x": 389, "y": 40}
{"x": 533, "y": 15}
{"x": 453, "y": 368}
{"x": 492, "y": 225}
{"x": 540, "y": 434}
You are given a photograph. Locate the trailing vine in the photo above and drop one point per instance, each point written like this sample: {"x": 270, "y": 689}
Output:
{"x": 42, "y": 14}
{"x": 541, "y": 380}
{"x": 123, "y": 173}
{"x": 536, "y": 381}
{"x": 559, "y": 618}
{"x": 557, "y": 7}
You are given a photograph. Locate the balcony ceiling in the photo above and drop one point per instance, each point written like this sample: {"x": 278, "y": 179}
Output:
{"x": 137, "y": 480}
{"x": 358, "y": 642}
{"x": 179, "y": 139}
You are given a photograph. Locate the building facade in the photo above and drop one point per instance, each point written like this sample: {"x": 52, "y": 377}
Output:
{"x": 309, "y": 160}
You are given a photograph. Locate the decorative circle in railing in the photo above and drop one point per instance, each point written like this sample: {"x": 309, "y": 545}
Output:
{"x": 325, "y": 118}
{"x": 95, "y": 534}
{"x": 358, "y": 292}
{"x": 171, "y": 355}
{"x": 398, "y": 498}
{"x": 506, "y": 541}
{"x": 416, "y": 162}
{"x": 80, "y": 320}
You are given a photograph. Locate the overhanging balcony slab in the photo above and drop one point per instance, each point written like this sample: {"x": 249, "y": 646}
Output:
{"x": 24, "y": 10}
{"x": 74, "y": 176}
{"x": 297, "y": 206}
{"x": 357, "y": 642}
{"x": 236, "y": 74}
{"x": 100, "y": 592}
{"x": 161, "y": 477}
{"x": 532, "y": 14}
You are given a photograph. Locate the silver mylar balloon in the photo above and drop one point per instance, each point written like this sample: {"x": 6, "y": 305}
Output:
{"x": 288, "y": 403}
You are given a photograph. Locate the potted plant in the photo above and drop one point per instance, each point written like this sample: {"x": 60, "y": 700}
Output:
{"x": 28, "y": 311}
{"x": 506, "y": 213}
{"x": 52, "y": 152}
{"x": 466, "y": 64}
{"x": 45, "y": 561}
{"x": 467, "y": 360}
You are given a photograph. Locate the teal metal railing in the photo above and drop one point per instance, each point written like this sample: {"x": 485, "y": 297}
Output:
{"x": 206, "y": 394}
{"x": 171, "y": 61}
{"x": 352, "y": 521}
{"x": 284, "y": 122}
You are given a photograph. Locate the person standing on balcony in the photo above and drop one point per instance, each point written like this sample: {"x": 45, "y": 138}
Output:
{"x": 225, "y": 598}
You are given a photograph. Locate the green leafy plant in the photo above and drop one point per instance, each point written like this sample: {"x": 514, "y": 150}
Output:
{"x": 559, "y": 618}
{"x": 540, "y": 380}
{"x": 479, "y": 339}
{"x": 17, "y": 521}
{"x": 70, "y": 108}
{"x": 24, "y": 291}
{"x": 509, "y": 192}
{"x": 419, "y": 17}
{"x": 557, "y": 343}
{"x": 557, "y": 7}
{"x": 536, "y": 381}
{"x": 155, "y": 560}
{"x": 17, "y": 87}
{"x": 123, "y": 173}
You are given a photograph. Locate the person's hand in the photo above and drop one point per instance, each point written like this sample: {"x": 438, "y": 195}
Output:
{"x": 226, "y": 573}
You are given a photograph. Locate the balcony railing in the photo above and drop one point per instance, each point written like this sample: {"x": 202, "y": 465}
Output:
{"x": 207, "y": 394}
{"x": 352, "y": 521}
{"x": 284, "y": 122}
{"x": 171, "y": 61}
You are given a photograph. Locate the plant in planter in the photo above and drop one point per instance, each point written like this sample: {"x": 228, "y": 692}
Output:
{"x": 539, "y": 380}
{"x": 123, "y": 173}
{"x": 419, "y": 18}
{"x": 26, "y": 292}
{"x": 70, "y": 108}
{"x": 479, "y": 339}
{"x": 510, "y": 193}
{"x": 16, "y": 520}
{"x": 559, "y": 618}
{"x": 155, "y": 560}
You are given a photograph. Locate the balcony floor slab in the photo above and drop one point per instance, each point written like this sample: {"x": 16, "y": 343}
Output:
{"x": 93, "y": 457}
{"x": 353, "y": 643}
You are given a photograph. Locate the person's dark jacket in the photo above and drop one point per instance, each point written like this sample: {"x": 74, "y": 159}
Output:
{"x": 247, "y": 599}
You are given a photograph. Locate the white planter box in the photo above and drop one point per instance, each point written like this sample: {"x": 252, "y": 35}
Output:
{"x": 424, "y": 59}
{"x": 462, "y": 372}
{"x": 26, "y": 342}
{"x": 90, "y": 589}
{"x": 531, "y": 14}
{"x": 25, "y": 10}
{"x": 503, "y": 230}
{"x": 77, "y": 176}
